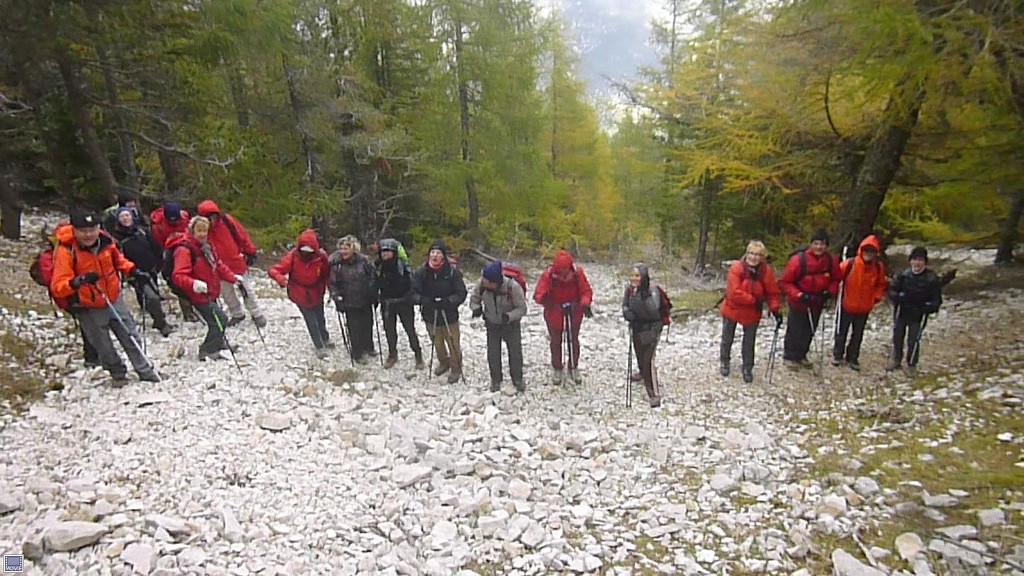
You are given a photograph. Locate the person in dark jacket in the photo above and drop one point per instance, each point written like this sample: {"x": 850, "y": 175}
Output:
{"x": 305, "y": 272}
{"x": 502, "y": 304}
{"x": 809, "y": 280}
{"x": 749, "y": 287}
{"x": 439, "y": 289}
{"x": 139, "y": 246}
{"x": 128, "y": 200}
{"x": 916, "y": 292}
{"x": 647, "y": 309}
{"x": 392, "y": 285}
{"x": 350, "y": 285}
{"x": 198, "y": 274}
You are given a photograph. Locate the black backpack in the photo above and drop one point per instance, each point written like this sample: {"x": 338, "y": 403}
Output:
{"x": 167, "y": 270}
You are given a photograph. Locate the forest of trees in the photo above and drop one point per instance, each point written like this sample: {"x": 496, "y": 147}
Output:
{"x": 468, "y": 119}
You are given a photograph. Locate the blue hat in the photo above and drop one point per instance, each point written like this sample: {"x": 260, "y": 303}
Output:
{"x": 492, "y": 272}
{"x": 172, "y": 211}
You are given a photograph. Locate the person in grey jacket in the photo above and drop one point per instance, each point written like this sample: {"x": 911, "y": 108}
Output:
{"x": 350, "y": 286}
{"x": 502, "y": 304}
{"x": 646, "y": 307}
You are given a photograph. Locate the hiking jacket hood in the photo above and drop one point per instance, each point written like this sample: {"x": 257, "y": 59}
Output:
{"x": 162, "y": 228}
{"x": 747, "y": 290}
{"x": 865, "y": 282}
{"x": 563, "y": 282}
{"x": 70, "y": 260}
{"x": 229, "y": 249}
{"x": 305, "y": 278}
{"x": 183, "y": 247}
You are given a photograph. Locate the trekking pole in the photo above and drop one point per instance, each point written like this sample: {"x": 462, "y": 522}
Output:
{"x": 224, "y": 336}
{"x": 245, "y": 296}
{"x": 771, "y": 352}
{"x": 344, "y": 337}
{"x": 917, "y": 341}
{"x": 839, "y": 300}
{"x": 142, "y": 298}
{"x": 629, "y": 369}
{"x": 451, "y": 346}
{"x": 821, "y": 344}
{"x": 131, "y": 334}
{"x": 377, "y": 323}
{"x": 431, "y": 333}
{"x": 654, "y": 372}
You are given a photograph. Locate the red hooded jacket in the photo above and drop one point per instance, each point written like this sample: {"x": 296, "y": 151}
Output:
{"x": 563, "y": 282}
{"x": 819, "y": 277}
{"x": 162, "y": 228}
{"x": 305, "y": 276}
{"x": 231, "y": 250}
{"x": 186, "y": 269}
{"x": 744, "y": 293}
{"x": 865, "y": 282}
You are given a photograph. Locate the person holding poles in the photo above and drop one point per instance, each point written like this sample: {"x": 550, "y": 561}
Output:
{"x": 392, "y": 284}
{"x": 438, "y": 288}
{"x": 564, "y": 292}
{"x": 915, "y": 292}
{"x": 198, "y": 275}
{"x": 809, "y": 280}
{"x": 502, "y": 304}
{"x": 304, "y": 272}
{"x": 863, "y": 286}
{"x": 750, "y": 285}
{"x": 350, "y": 286}
{"x": 87, "y": 269}
{"x": 647, "y": 309}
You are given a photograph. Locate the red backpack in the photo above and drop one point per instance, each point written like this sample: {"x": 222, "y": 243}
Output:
{"x": 516, "y": 273}
{"x": 41, "y": 272}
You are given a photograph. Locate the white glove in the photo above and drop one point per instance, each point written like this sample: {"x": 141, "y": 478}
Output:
{"x": 199, "y": 287}
{"x": 239, "y": 279}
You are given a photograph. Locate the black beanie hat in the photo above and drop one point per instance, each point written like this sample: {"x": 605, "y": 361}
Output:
{"x": 821, "y": 234}
{"x": 919, "y": 252}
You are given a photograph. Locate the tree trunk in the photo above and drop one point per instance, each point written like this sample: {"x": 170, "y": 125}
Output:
{"x": 10, "y": 211}
{"x": 472, "y": 198}
{"x": 707, "y": 198}
{"x": 1008, "y": 230}
{"x": 131, "y": 171}
{"x": 237, "y": 84}
{"x": 300, "y": 127}
{"x": 861, "y": 204}
{"x": 79, "y": 106}
{"x": 170, "y": 165}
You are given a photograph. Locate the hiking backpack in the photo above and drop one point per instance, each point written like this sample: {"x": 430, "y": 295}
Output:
{"x": 516, "y": 273}
{"x": 41, "y": 269}
{"x": 167, "y": 268}
{"x": 802, "y": 252}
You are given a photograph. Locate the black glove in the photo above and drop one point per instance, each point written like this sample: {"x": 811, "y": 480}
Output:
{"x": 826, "y": 295}
{"x": 438, "y": 301}
{"x": 629, "y": 315}
{"x": 778, "y": 317}
{"x": 250, "y": 259}
{"x": 901, "y": 297}
{"x": 805, "y": 297}
{"x": 504, "y": 318}
{"x": 139, "y": 277}
{"x": 478, "y": 312}
{"x": 339, "y": 303}
{"x": 588, "y": 312}
{"x": 87, "y": 278}
{"x": 566, "y": 307}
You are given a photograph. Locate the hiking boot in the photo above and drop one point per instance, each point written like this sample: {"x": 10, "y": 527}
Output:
{"x": 119, "y": 381}
{"x": 556, "y": 376}
{"x": 911, "y": 371}
{"x": 165, "y": 329}
{"x": 454, "y": 377}
{"x": 391, "y": 361}
{"x": 362, "y": 360}
{"x": 495, "y": 385}
{"x": 576, "y": 375}
{"x": 236, "y": 320}
{"x": 854, "y": 365}
{"x": 261, "y": 321}
{"x": 441, "y": 368}
{"x": 225, "y": 346}
{"x": 150, "y": 376}
{"x": 420, "y": 364}
{"x": 892, "y": 365}
{"x": 329, "y": 344}
{"x": 520, "y": 385}
{"x": 793, "y": 365}
{"x": 636, "y": 377}
{"x": 805, "y": 363}
{"x": 322, "y": 354}
{"x": 655, "y": 401}
{"x": 748, "y": 375}
{"x": 725, "y": 368}
{"x": 212, "y": 355}
{"x": 92, "y": 363}
{"x": 837, "y": 361}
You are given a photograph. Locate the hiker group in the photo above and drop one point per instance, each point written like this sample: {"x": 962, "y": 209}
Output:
{"x": 205, "y": 260}
{"x": 810, "y": 279}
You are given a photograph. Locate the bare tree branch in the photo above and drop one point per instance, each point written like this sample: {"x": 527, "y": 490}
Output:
{"x": 183, "y": 153}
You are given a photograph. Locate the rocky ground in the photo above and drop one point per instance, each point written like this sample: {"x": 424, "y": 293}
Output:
{"x": 302, "y": 466}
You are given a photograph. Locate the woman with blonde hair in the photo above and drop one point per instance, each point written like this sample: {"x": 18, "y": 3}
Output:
{"x": 749, "y": 286}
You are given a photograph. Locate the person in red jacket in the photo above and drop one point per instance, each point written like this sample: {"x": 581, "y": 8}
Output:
{"x": 749, "y": 286}
{"x": 864, "y": 285}
{"x": 563, "y": 290}
{"x": 305, "y": 271}
{"x": 232, "y": 244}
{"x": 810, "y": 280}
{"x": 87, "y": 269}
{"x": 165, "y": 221}
{"x": 199, "y": 274}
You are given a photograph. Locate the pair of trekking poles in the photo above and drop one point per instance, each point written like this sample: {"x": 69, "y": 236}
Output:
{"x": 447, "y": 338}
{"x": 345, "y": 339}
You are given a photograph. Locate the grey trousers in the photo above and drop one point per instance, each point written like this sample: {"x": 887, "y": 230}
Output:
{"x": 98, "y": 323}
{"x": 229, "y": 292}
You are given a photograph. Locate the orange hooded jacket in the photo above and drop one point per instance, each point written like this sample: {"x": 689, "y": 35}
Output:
{"x": 865, "y": 282}
{"x": 70, "y": 260}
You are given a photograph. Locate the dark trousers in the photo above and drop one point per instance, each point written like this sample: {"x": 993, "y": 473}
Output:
{"x": 747, "y": 346}
{"x": 557, "y": 334}
{"x": 316, "y": 324}
{"x": 149, "y": 300}
{"x": 645, "y": 344}
{"x": 89, "y": 352}
{"x": 360, "y": 331}
{"x": 800, "y": 329}
{"x": 215, "y": 320}
{"x": 512, "y": 336}
{"x": 392, "y": 314}
{"x": 909, "y": 328}
{"x": 846, "y": 320}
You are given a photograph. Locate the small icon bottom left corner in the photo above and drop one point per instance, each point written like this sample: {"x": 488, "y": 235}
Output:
{"x": 14, "y": 563}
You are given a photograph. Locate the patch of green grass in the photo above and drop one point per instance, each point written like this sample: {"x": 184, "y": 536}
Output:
{"x": 343, "y": 376}
{"x": 20, "y": 387}
{"x": 692, "y": 302}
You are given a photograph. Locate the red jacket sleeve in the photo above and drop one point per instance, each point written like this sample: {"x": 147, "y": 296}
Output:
{"x": 540, "y": 292}
{"x": 226, "y": 274}
{"x": 183, "y": 274}
{"x": 586, "y": 293}
{"x": 666, "y": 307}
{"x": 734, "y": 291}
{"x": 790, "y": 275}
{"x": 771, "y": 289}
{"x": 245, "y": 244}
{"x": 835, "y": 277}
{"x": 279, "y": 272}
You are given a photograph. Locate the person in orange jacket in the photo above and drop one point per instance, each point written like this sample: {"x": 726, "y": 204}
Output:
{"x": 864, "y": 285}
{"x": 748, "y": 288}
{"x": 87, "y": 269}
